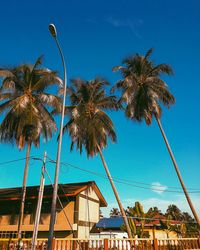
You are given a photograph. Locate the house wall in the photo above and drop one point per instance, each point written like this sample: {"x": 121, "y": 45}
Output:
{"x": 162, "y": 234}
{"x": 68, "y": 211}
{"x": 9, "y": 221}
{"x": 88, "y": 212}
{"x": 4, "y": 219}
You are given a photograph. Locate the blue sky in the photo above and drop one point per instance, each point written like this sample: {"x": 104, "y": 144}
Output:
{"x": 95, "y": 36}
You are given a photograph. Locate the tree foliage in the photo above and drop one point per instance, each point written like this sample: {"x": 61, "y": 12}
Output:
{"x": 26, "y": 103}
{"x": 173, "y": 220}
{"x": 143, "y": 90}
{"x": 114, "y": 212}
{"x": 89, "y": 125}
{"x": 174, "y": 212}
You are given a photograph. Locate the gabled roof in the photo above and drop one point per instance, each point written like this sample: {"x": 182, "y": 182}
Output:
{"x": 64, "y": 190}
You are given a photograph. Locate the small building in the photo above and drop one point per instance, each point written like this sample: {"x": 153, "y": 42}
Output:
{"x": 109, "y": 228}
{"x": 79, "y": 212}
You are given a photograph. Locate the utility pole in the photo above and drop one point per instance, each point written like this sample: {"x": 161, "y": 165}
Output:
{"x": 39, "y": 205}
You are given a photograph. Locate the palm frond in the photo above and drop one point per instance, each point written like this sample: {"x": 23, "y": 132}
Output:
{"x": 38, "y": 62}
{"x": 161, "y": 68}
{"x": 8, "y": 84}
{"x": 47, "y": 79}
{"x": 117, "y": 68}
{"x": 148, "y": 53}
{"x": 6, "y": 73}
{"x": 50, "y": 100}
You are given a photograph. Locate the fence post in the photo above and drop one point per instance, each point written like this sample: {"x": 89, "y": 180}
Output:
{"x": 53, "y": 244}
{"x": 199, "y": 241}
{"x": 12, "y": 246}
{"x": 105, "y": 244}
{"x": 155, "y": 244}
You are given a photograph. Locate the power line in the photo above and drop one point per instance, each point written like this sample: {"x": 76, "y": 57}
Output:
{"x": 154, "y": 185}
{"x": 122, "y": 181}
{"x": 154, "y": 219}
{"x": 16, "y": 160}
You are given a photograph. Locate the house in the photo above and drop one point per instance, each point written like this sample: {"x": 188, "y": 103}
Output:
{"x": 112, "y": 227}
{"x": 81, "y": 203}
{"x": 109, "y": 228}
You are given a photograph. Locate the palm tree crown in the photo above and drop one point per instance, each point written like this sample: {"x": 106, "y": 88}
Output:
{"x": 142, "y": 88}
{"x": 114, "y": 212}
{"x": 26, "y": 103}
{"x": 89, "y": 125}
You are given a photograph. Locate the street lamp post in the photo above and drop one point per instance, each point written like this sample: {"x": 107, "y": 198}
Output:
{"x": 53, "y": 32}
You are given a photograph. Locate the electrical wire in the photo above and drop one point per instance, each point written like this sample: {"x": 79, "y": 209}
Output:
{"x": 122, "y": 181}
{"x": 16, "y": 160}
{"x": 160, "y": 219}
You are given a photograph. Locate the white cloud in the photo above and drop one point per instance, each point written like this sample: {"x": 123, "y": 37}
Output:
{"x": 132, "y": 25}
{"x": 158, "y": 188}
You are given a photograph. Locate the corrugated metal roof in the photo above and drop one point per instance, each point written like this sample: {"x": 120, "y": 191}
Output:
{"x": 113, "y": 222}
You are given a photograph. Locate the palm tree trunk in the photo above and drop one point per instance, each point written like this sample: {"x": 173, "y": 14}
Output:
{"x": 142, "y": 227}
{"x": 116, "y": 193}
{"x": 23, "y": 194}
{"x": 178, "y": 172}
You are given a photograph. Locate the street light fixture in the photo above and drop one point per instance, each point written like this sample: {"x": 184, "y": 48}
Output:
{"x": 53, "y": 32}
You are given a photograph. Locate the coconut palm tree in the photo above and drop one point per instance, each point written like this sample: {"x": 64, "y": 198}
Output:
{"x": 137, "y": 214}
{"x": 153, "y": 211}
{"x": 144, "y": 92}
{"x": 26, "y": 105}
{"x": 89, "y": 126}
{"x": 174, "y": 212}
{"x": 114, "y": 212}
{"x": 187, "y": 217}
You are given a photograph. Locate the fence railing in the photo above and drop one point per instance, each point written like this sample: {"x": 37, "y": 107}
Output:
{"x": 105, "y": 244}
